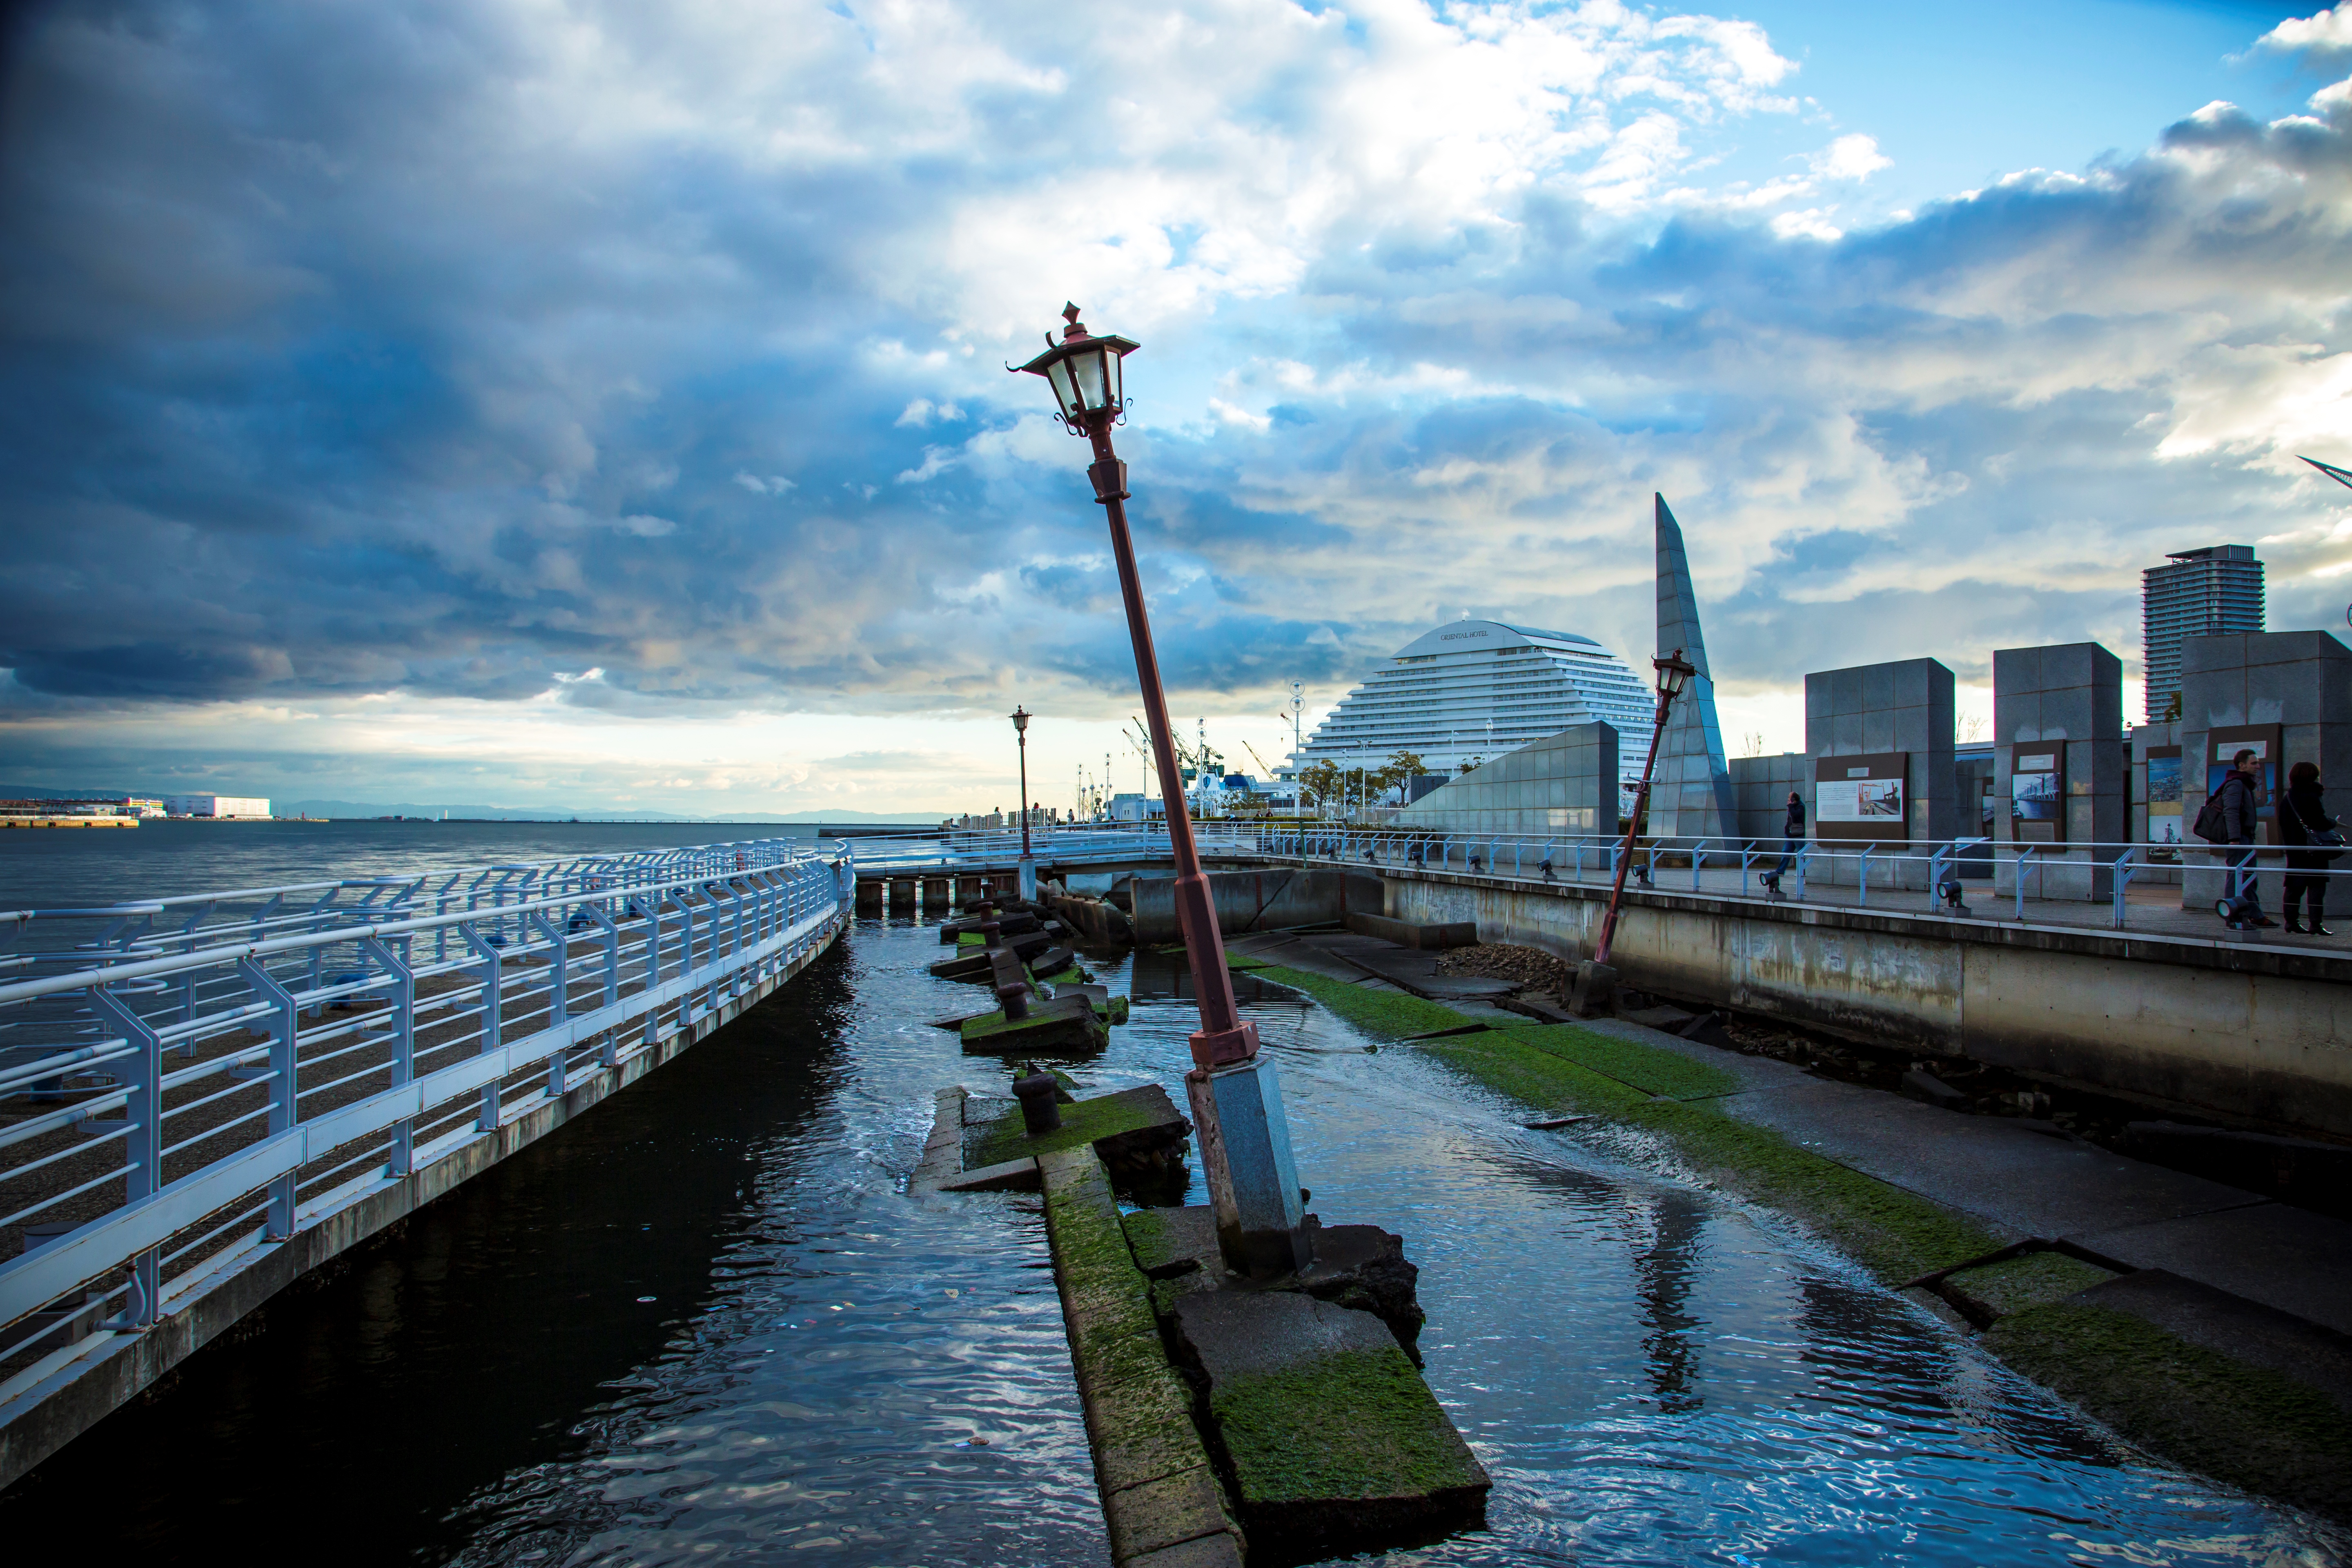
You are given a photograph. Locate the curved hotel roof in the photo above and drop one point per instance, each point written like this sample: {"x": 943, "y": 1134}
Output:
{"x": 1440, "y": 693}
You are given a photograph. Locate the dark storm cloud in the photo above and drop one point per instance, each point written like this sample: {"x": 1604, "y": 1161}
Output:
{"x": 465, "y": 350}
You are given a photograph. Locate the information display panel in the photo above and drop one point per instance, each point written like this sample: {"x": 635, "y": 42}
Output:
{"x": 1863, "y": 798}
{"x": 2037, "y": 791}
{"x": 2264, "y": 740}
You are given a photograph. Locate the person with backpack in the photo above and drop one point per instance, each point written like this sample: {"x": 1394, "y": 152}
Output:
{"x": 1793, "y": 838}
{"x": 2232, "y": 816}
{"x": 2315, "y": 839}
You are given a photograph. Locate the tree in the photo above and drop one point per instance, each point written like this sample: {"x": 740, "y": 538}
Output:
{"x": 1324, "y": 781}
{"x": 1400, "y": 769}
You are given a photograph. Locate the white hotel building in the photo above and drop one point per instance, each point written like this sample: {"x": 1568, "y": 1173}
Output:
{"x": 1479, "y": 689}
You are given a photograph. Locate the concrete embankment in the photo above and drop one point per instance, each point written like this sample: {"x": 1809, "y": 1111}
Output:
{"x": 2201, "y": 1321}
{"x": 2259, "y": 1032}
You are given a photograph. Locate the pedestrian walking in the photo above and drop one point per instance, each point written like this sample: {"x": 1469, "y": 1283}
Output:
{"x": 2241, "y": 801}
{"x": 2313, "y": 839}
{"x": 1793, "y": 838}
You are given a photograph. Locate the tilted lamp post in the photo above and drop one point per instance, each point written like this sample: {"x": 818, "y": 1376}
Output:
{"x": 1674, "y": 674}
{"x": 1236, "y": 1102}
{"x": 1028, "y": 867}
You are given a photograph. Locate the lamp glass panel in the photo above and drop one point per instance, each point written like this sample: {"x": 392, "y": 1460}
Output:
{"x": 1058, "y": 373}
{"x": 1112, "y": 366}
{"x": 1087, "y": 367}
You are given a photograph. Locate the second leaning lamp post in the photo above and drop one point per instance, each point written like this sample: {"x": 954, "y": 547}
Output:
{"x": 1028, "y": 867}
{"x": 1236, "y": 1102}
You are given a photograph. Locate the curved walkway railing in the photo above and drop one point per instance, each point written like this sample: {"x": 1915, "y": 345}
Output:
{"x": 194, "y": 1079}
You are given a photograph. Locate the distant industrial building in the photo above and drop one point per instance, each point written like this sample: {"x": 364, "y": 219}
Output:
{"x": 216, "y": 806}
{"x": 2214, "y": 590}
{"x": 1480, "y": 688}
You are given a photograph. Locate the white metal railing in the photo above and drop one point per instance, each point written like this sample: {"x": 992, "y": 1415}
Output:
{"x": 951, "y": 850}
{"x": 200, "y": 1077}
{"x": 1870, "y": 868}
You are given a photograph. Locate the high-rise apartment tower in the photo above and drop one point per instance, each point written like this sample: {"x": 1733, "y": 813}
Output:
{"x": 2216, "y": 589}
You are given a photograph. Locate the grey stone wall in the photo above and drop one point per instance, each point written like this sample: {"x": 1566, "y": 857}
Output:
{"x": 1563, "y": 786}
{"x": 2068, "y": 695}
{"x": 2301, "y": 681}
{"x": 1905, "y": 706}
{"x": 1761, "y": 784}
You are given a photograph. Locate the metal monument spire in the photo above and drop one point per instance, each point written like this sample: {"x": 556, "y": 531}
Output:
{"x": 1691, "y": 797}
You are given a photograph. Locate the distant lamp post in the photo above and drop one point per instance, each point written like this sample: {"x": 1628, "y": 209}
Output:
{"x": 1674, "y": 674}
{"x": 1236, "y": 1102}
{"x": 1028, "y": 867}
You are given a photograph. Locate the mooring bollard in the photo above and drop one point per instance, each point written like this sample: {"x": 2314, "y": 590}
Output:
{"x": 1015, "y": 995}
{"x": 1039, "y": 1111}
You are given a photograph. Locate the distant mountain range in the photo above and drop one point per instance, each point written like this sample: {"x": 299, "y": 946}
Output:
{"x": 478, "y": 813}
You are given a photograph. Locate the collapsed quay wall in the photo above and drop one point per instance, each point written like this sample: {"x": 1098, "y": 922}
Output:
{"x": 2226, "y": 1028}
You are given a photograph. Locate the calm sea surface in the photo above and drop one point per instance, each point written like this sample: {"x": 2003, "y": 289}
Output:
{"x": 706, "y": 1323}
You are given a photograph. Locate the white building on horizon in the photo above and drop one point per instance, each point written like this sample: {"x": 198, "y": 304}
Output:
{"x": 1473, "y": 688}
{"x": 216, "y": 806}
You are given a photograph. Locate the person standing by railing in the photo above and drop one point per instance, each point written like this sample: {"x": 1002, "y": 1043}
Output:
{"x": 1793, "y": 838}
{"x": 2242, "y": 798}
{"x": 2304, "y": 821}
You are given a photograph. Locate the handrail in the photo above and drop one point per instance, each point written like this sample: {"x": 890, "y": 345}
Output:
{"x": 348, "y": 1044}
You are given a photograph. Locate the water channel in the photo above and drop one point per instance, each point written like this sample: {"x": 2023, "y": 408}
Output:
{"x": 707, "y": 1323}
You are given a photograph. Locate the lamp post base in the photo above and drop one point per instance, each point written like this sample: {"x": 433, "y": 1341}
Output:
{"x": 1245, "y": 1154}
{"x": 1028, "y": 880}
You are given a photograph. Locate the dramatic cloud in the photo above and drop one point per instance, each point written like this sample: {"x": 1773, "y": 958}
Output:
{"x": 619, "y": 364}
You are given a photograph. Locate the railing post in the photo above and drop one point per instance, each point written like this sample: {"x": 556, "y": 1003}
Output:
{"x": 2124, "y": 867}
{"x": 493, "y": 983}
{"x": 142, "y": 1148}
{"x": 285, "y": 1036}
{"x": 402, "y": 1159}
{"x": 559, "y": 993}
{"x": 1866, "y": 874}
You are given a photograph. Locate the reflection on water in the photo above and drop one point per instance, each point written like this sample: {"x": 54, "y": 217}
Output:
{"x": 830, "y": 1366}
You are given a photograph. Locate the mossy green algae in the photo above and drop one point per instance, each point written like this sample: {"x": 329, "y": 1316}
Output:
{"x": 1084, "y": 1122}
{"x": 1359, "y": 1423}
{"x": 2242, "y": 1424}
{"x": 1391, "y": 1014}
{"x": 1997, "y": 1289}
{"x": 1642, "y": 1067}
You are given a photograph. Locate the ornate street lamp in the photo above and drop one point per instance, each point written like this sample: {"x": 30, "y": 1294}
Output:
{"x": 1236, "y": 1103}
{"x": 1674, "y": 674}
{"x": 1028, "y": 867}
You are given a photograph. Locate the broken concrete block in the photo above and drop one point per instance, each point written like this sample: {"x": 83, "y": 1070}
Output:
{"x": 1063, "y": 1026}
{"x": 1336, "y": 1444}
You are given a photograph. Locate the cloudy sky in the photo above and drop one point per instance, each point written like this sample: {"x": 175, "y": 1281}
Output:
{"x": 604, "y": 405}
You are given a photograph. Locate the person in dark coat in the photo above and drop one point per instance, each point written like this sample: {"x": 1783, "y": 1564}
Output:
{"x": 1793, "y": 838}
{"x": 2241, "y": 801}
{"x": 2302, "y": 812}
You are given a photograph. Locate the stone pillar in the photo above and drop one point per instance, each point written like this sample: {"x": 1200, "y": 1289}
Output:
{"x": 967, "y": 891}
{"x": 2300, "y": 683}
{"x": 1876, "y": 711}
{"x": 2065, "y": 702}
{"x": 935, "y": 894}
{"x": 902, "y": 895}
{"x": 870, "y": 895}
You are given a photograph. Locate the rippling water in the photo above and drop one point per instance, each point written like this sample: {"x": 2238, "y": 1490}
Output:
{"x": 707, "y": 1323}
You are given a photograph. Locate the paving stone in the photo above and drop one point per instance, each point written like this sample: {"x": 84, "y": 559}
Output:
{"x": 1219, "y": 1551}
{"x": 2262, "y": 1336}
{"x": 1007, "y": 1177}
{"x": 1160, "y": 1514}
{"x": 2288, "y": 1258}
